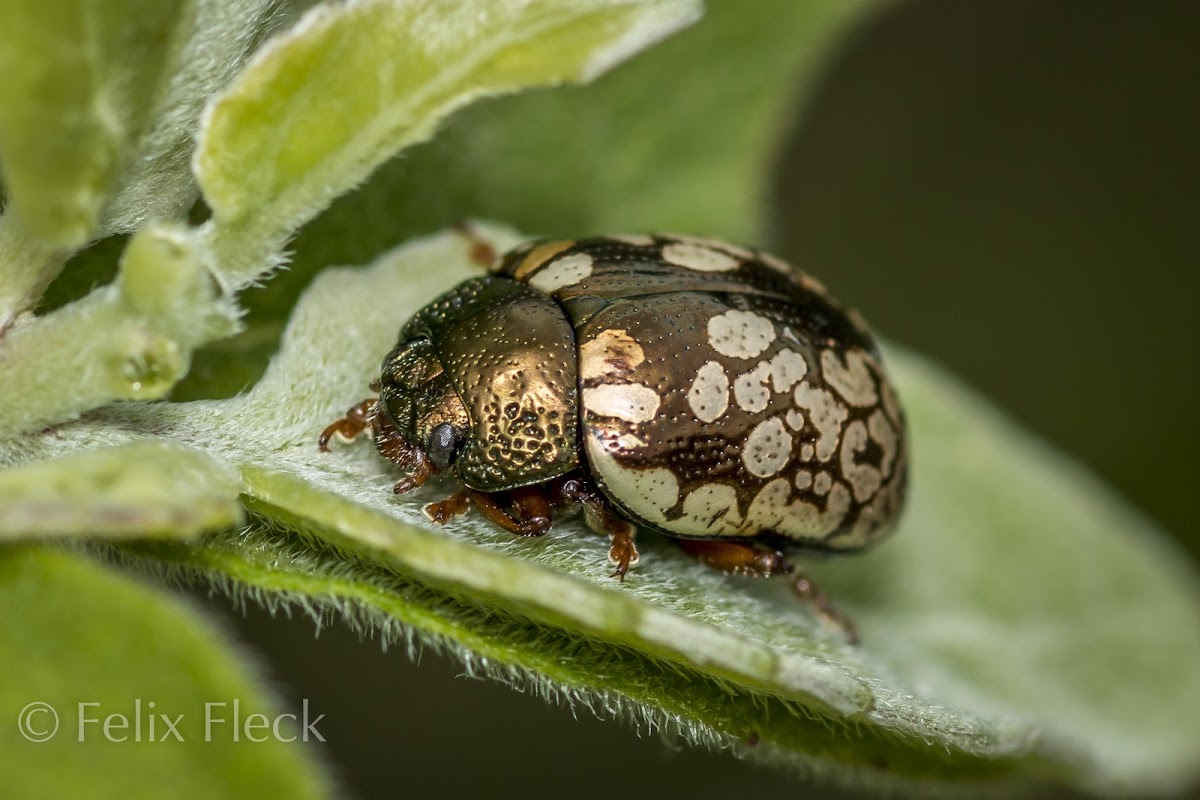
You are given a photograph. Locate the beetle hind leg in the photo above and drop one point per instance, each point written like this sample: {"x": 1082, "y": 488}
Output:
{"x": 738, "y": 558}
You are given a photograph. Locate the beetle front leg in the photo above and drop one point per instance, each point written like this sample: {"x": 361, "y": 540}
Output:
{"x": 738, "y": 558}
{"x": 358, "y": 419}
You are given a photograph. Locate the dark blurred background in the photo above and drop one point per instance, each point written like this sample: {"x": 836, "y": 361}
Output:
{"x": 1010, "y": 186}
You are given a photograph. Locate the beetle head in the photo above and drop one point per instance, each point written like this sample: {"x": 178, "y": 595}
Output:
{"x": 419, "y": 399}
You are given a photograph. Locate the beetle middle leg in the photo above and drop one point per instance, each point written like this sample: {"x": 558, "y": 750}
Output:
{"x": 601, "y": 518}
{"x": 739, "y": 558}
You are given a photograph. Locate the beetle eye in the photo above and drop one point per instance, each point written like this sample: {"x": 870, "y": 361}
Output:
{"x": 442, "y": 445}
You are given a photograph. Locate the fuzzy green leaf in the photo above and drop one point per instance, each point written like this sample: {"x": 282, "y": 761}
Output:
{"x": 995, "y": 645}
{"x": 87, "y": 635}
{"x": 158, "y": 183}
{"x": 149, "y": 488}
{"x": 98, "y": 114}
{"x": 132, "y": 339}
{"x": 349, "y": 86}
{"x": 679, "y": 138}
{"x": 79, "y": 80}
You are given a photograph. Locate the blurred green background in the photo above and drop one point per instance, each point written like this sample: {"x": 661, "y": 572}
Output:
{"x": 1009, "y": 186}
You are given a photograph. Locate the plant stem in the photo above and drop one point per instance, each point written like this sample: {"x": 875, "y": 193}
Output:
{"x": 27, "y": 265}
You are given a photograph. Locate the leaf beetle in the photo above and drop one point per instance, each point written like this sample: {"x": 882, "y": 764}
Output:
{"x": 707, "y": 391}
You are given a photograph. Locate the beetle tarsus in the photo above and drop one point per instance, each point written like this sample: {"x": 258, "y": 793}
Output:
{"x": 482, "y": 252}
{"x": 623, "y": 552}
{"x": 831, "y": 614}
{"x": 357, "y": 419}
{"x": 520, "y": 512}
{"x": 601, "y": 518}
{"x": 442, "y": 512}
{"x": 421, "y": 470}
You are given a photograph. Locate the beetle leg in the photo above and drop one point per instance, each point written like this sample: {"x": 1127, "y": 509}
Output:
{"x": 622, "y": 553}
{"x": 532, "y": 505}
{"x": 523, "y": 502}
{"x": 527, "y": 512}
{"x": 421, "y": 470}
{"x": 739, "y": 558}
{"x": 448, "y": 509}
{"x": 482, "y": 253}
{"x": 601, "y": 518}
{"x": 357, "y": 420}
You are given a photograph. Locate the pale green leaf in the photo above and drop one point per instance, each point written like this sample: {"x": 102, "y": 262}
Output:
{"x": 147, "y": 488}
{"x": 158, "y": 183}
{"x": 132, "y": 339}
{"x": 1022, "y": 625}
{"x": 87, "y": 635}
{"x": 98, "y": 117}
{"x": 323, "y": 105}
{"x": 79, "y": 80}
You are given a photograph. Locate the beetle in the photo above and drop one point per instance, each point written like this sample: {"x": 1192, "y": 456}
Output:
{"x": 709, "y": 392}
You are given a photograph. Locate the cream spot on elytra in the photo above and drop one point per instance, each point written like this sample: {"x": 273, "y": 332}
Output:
{"x": 566, "y": 271}
{"x": 882, "y": 432}
{"x": 827, "y": 416}
{"x": 806, "y": 521}
{"x": 852, "y": 380}
{"x": 787, "y": 369}
{"x": 709, "y": 395}
{"x": 611, "y": 352}
{"x": 630, "y": 442}
{"x": 632, "y": 402}
{"x": 822, "y": 483}
{"x": 698, "y": 257}
{"x": 864, "y": 479}
{"x": 740, "y": 334}
{"x": 709, "y": 509}
{"x": 891, "y": 403}
{"x": 750, "y": 389}
{"x": 776, "y": 263}
{"x": 770, "y": 506}
{"x": 714, "y": 244}
{"x": 767, "y": 448}
{"x": 635, "y": 239}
